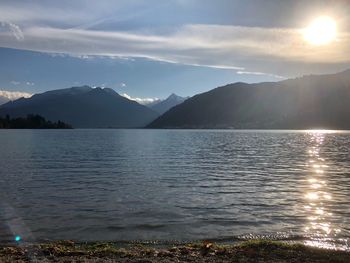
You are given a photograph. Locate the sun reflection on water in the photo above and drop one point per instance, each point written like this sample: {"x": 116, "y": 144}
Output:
{"x": 319, "y": 226}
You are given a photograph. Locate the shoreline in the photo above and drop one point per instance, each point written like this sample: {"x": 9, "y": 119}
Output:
{"x": 246, "y": 251}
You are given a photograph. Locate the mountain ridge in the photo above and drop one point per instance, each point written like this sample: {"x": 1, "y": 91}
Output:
{"x": 83, "y": 107}
{"x": 164, "y": 105}
{"x": 313, "y": 101}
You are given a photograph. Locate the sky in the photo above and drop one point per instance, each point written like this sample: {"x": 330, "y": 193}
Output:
{"x": 151, "y": 48}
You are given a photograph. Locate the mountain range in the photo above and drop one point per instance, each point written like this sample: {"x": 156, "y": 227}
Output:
{"x": 83, "y": 107}
{"x": 315, "y": 101}
{"x": 162, "y": 106}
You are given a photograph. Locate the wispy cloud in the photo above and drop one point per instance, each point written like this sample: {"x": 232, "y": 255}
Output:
{"x": 143, "y": 101}
{"x": 13, "y": 95}
{"x": 77, "y": 29}
{"x": 14, "y": 29}
{"x": 13, "y": 82}
{"x": 227, "y": 47}
{"x": 16, "y": 83}
{"x": 259, "y": 74}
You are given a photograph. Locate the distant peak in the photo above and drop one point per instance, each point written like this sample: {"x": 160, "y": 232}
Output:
{"x": 104, "y": 88}
{"x": 72, "y": 90}
{"x": 84, "y": 87}
{"x": 173, "y": 96}
{"x": 109, "y": 90}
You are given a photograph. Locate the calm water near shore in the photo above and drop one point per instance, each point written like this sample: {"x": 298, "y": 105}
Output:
{"x": 175, "y": 185}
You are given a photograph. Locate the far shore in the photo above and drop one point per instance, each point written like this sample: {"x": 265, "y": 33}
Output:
{"x": 248, "y": 251}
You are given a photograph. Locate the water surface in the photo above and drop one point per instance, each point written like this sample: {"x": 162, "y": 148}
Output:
{"x": 175, "y": 185}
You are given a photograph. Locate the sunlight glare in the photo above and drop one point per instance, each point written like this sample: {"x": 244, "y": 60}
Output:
{"x": 321, "y": 31}
{"x": 312, "y": 196}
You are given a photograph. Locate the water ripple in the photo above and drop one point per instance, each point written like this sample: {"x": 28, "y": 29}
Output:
{"x": 175, "y": 185}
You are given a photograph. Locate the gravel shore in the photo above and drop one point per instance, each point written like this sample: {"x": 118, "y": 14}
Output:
{"x": 250, "y": 251}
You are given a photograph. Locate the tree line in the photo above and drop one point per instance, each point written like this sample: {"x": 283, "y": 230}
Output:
{"x": 31, "y": 122}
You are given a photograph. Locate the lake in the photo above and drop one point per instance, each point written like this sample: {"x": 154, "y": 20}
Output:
{"x": 179, "y": 185}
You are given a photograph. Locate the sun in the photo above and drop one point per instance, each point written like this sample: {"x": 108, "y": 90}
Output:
{"x": 321, "y": 31}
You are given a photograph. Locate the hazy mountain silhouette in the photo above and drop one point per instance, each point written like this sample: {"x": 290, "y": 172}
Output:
{"x": 3, "y": 100}
{"x": 316, "y": 101}
{"x": 164, "y": 105}
{"x": 83, "y": 107}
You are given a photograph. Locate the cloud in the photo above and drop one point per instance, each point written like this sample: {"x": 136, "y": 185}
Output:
{"x": 13, "y": 82}
{"x": 143, "y": 101}
{"x": 28, "y": 83}
{"x": 122, "y": 85}
{"x": 13, "y": 95}
{"x": 15, "y": 29}
{"x": 259, "y": 74}
{"x": 216, "y": 46}
{"x": 85, "y": 29}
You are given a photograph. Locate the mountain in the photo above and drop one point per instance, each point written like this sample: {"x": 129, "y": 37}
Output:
{"x": 164, "y": 105}
{"x": 3, "y": 100}
{"x": 316, "y": 101}
{"x": 83, "y": 107}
